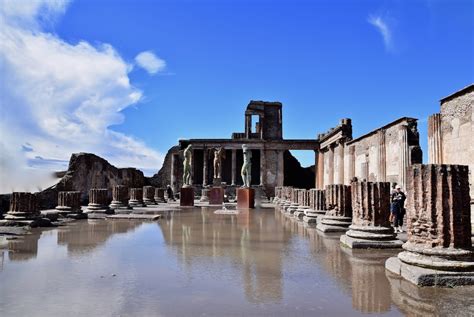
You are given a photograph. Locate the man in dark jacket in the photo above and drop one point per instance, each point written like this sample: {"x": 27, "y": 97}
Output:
{"x": 398, "y": 208}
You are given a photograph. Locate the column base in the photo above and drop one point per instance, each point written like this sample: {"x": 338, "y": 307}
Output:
{"x": 355, "y": 243}
{"x": 136, "y": 203}
{"x": 98, "y": 209}
{"x": 334, "y": 224}
{"x": 245, "y": 198}
{"x": 149, "y": 202}
{"x": 300, "y": 212}
{"x": 186, "y": 197}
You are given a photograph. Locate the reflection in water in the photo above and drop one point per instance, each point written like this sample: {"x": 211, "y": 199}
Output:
{"x": 195, "y": 262}
{"x": 80, "y": 238}
{"x": 249, "y": 239}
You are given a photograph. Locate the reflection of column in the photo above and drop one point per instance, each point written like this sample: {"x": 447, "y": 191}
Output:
{"x": 320, "y": 171}
{"x": 262, "y": 167}
{"x": 204, "y": 168}
{"x": 403, "y": 162}
{"x": 234, "y": 165}
{"x": 382, "y": 159}
{"x": 281, "y": 169}
{"x": 435, "y": 149}
{"x": 173, "y": 173}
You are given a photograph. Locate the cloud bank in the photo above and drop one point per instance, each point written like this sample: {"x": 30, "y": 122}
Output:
{"x": 382, "y": 27}
{"x": 58, "y": 98}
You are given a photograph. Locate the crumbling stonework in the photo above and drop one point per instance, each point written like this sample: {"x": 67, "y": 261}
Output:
{"x": 159, "y": 195}
{"x": 136, "y": 197}
{"x": 439, "y": 249}
{"x": 370, "y": 226}
{"x": 149, "y": 195}
{"x": 119, "y": 197}
{"x": 23, "y": 206}
{"x": 98, "y": 201}
{"x": 317, "y": 205}
{"x": 69, "y": 202}
{"x": 339, "y": 210}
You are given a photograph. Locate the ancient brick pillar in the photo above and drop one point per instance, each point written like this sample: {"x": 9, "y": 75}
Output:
{"x": 370, "y": 217}
{"x": 119, "y": 197}
{"x": 303, "y": 203}
{"x": 339, "y": 211}
{"x": 160, "y": 195}
{"x": 69, "y": 202}
{"x": 149, "y": 195}
{"x": 439, "y": 248}
{"x": 23, "y": 206}
{"x": 317, "y": 205}
{"x": 136, "y": 197}
{"x": 98, "y": 201}
{"x": 382, "y": 157}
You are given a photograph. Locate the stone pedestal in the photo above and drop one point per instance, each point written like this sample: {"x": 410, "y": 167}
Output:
{"x": 205, "y": 195}
{"x": 69, "y": 204}
{"x": 159, "y": 195}
{"x": 149, "y": 195}
{"x": 23, "y": 207}
{"x": 438, "y": 251}
{"x": 216, "y": 196}
{"x": 245, "y": 198}
{"x": 136, "y": 197}
{"x": 370, "y": 218}
{"x": 217, "y": 181}
{"x": 120, "y": 199}
{"x": 338, "y": 216}
{"x": 98, "y": 201}
{"x": 186, "y": 197}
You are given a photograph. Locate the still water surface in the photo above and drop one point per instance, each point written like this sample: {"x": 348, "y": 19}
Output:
{"x": 195, "y": 263}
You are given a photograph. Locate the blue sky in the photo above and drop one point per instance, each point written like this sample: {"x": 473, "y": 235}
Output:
{"x": 372, "y": 61}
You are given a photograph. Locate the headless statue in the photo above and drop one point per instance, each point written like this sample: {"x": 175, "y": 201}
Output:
{"x": 188, "y": 156}
{"x": 246, "y": 171}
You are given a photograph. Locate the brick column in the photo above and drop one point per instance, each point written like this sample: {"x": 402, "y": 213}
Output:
{"x": 23, "y": 206}
{"x": 149, "y": 195}
{"x": 159, "y": 195}
{"x": 439, "y": 248}
{"x": 119, "y": 197}
{"x": 98, "y": 201}
{"x": 136, "y": 197}
{"x": 382, "y": 157}
{"x": 69, "y": 202}
{"x": 339, "y": 211}
{"x": 204, "y": 167}
{"x": 435, "y": 143}
{"x": 370, "y": 217}
{"x": 234, "y": 167}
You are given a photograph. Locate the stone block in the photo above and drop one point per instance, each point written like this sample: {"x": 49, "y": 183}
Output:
{"x": 245, "y": 198}
{"x": 216, "y": 196}
{"x": 186, "y": 197}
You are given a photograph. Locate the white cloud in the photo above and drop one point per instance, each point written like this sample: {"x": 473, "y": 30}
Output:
{"x": 381, "y": 25}
{"x": 150, "y": 62}
{"x": 59, "y": 98}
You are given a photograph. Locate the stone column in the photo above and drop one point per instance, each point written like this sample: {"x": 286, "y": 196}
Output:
{"x": 404, "y": 161}
{"x": 340, "y": 161}
{"x": 382, "y": 157}
{"x": 262, "y": 167}
{"x": 119, "y": 198}
{"x": 320, "y": 171}
{"x": 248, "y": 126}
{"x": 160, "y": 195}
{"x": 281, "y": 168}
{"x": 330, "y": 165}
{"x": 204, "y": 167}
{"x": 303, "y": 203}
{"x": 136, "y": 197}
{"x": 173, "y": 173}
{"x": 339, "y": 210}
{"x": 234, "y": 167}
{"x": 23, "y": 207}
{"x": 435, "y": 143}
{"x": 439, "y": 248}
{"x": 69, "y": 202}
{"x": 351, "y": 164}
{"x": 317, "y": 205}
{"x": 149, "y": 195}
{"x": 98, "y": 201}
{"x": 370, "y": 217}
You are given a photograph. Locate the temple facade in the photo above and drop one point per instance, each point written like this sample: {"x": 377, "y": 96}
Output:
{"x": 380, "y": 155}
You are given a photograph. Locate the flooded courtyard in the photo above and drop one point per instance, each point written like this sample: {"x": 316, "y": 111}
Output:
{"x": 194, "y": 262}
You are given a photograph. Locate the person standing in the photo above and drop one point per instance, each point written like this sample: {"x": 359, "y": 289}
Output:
{"x": 398, "y": 198}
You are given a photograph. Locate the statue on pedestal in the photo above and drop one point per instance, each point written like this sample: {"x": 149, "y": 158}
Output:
{"x": 246, "y": 171}
{"x": 188, "y": 155}
{"x": 219, "y": 154}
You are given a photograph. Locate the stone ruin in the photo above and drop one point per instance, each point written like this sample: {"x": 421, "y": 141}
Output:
{"x": 439, "y": 248}
{"x": 338, "y": 216}
{"x": 370, "y": 226}
{"x": 149, "y": 195}
{"x": 136, "y": 197}
{"x": 159, "y": 195}
{"x": 69, "y": 204}
{"x": 317, "y": 205}
{"x": 98, "y": 202}
{"x": 303, "y": 203}
{"x": 120, "y": 199}
{"x": 23, "y": 208}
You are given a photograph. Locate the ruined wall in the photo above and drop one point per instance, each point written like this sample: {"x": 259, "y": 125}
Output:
{"x": 163, "y": 177}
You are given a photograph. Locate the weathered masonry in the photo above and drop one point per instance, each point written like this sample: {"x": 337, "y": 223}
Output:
{"x": 451, "y": 134}
{"x": 382, "y": 155}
